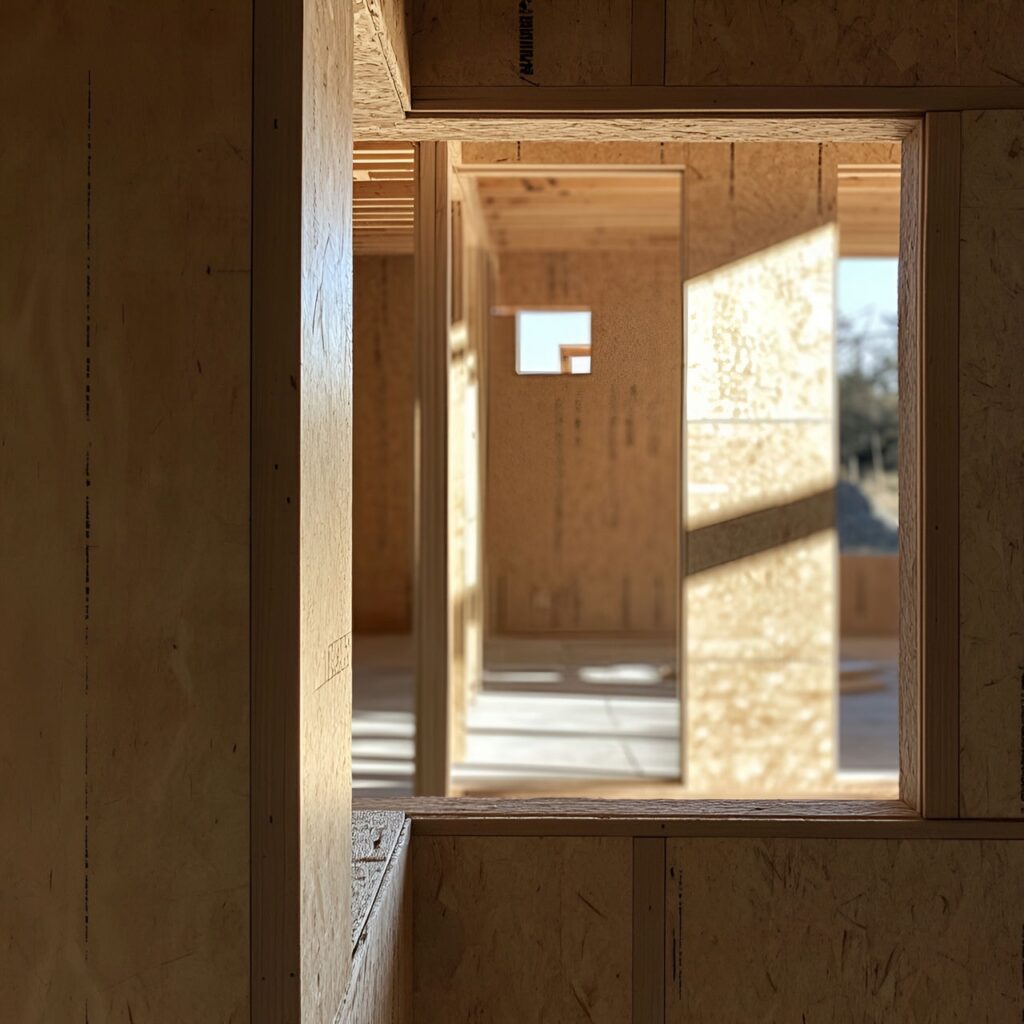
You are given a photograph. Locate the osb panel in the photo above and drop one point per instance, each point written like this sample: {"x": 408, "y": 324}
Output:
{"x": 759, "y": 335}
{"x": 743, "y": 198}
{"x": 383, "y": 456}
{"x": 777, "y": 605}
{"x": 381, "y": 988}
{"x": 991, "y": 466}
{"x": 988, "y": 37}
{"x": 574, "y": 42}
{"x": 760, "y": 595}
{"x": 742, "y": 467}
{"x": 125, "y": 303}
{"x": 377, "y": 97}
{"x": 583, "y": 471}
{"x": 325, "y": 513}
{"x": 720, "y": 42}
{"x": 522, "y": 929}
{"x": 872, "y": 42}
{"x": 827, "y": 929}
{"x": 760, "y": 729}
{"x": 390, "y": 19}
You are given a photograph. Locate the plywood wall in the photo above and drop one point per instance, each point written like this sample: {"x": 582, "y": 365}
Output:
{"x": 583, "y": 471}
{"x": 513, "y": 928}
{"x": 382, "y": 515}
{"x": 530, "y": 929}
{"x": 714, "y": 42}
{"x": 760, "y": 605}
{"x": 124, "y": 676}
{"x": 832, "y": 929}
{"x": 991, "y": 465}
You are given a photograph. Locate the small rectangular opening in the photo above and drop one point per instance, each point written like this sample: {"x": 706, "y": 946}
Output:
{"x": 552, "y": 342}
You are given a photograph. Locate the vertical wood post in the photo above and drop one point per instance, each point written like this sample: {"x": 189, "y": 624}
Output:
{"x": 431, "y": 603}
{"x": 940, "y": 470}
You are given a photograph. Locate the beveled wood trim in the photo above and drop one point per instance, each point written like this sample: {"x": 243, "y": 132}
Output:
{"x": 669, "y": 100}
{"x": 939, "y": 444}
{"x": 431, "y": 605}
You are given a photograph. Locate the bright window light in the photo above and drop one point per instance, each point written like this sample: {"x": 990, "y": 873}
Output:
{"x": 550, "y": 342}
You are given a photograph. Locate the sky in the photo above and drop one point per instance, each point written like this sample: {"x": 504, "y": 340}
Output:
{"x": 865, "y": 284}
{"x": 541, "y": 334}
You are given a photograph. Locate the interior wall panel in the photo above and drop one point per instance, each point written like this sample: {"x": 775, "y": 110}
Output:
{"x": 525, "y": 929}
{"x": 991, "y": 465}
{"x": 124, "y": 298}
{"x": 717, "y": 42}
{"x": 583, "y": 471}
{"x": 843, "y": 929}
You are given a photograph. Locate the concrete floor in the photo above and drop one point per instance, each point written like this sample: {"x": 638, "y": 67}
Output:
{"x": 577, "y": 717}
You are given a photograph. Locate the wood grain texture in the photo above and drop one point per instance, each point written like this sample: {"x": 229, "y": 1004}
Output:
{"x": 720, "y": 42}
{"x": 380, "y": 991}
{"x": 823, "y": 929}
{"x": 377, "y": 99}
{"x": 431, "y": 607}
{"x": 325, "y": 511}
{"x": 382, "y": 514}
{"x": 729, "y": 42}
{"x": 597, "y": 455}
{"x": 536, "y": 44}
{"x": 124, "y": 304}
{"x": 991, "y": 395}
{"x": 909, "y": 362}
{"x": 526, "y": 929}
{"x": 301, "y": 487}
{"x": 939, "y": 439}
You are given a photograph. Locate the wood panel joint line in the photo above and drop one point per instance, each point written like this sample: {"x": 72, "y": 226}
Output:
{"x": 649, "y": 960}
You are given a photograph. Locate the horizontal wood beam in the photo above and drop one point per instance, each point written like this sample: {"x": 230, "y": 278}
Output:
{"x": 689, "y": 99}
{"x": 853, "y": 819}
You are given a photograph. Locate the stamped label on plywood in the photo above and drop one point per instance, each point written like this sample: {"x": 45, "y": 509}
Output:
{"x": 526, "y": 40}
{"x": 339, "y": 657}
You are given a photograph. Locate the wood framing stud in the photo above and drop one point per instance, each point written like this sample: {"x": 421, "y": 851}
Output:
{"x": 940, "y": 473}
{"x": 431, "y": 613}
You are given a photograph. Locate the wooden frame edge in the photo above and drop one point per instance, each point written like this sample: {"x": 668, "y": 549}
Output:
{"x": 597, "y": 101}
{"x": 431, "y": 605}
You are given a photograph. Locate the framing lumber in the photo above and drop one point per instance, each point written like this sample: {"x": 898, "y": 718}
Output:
{"x": 684, "y": 100}
{"x": 431, "y": 606}
{"x": 938, "y": 459}
{"x": 301, "y": 445}
{"x": 852, "y": 819}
